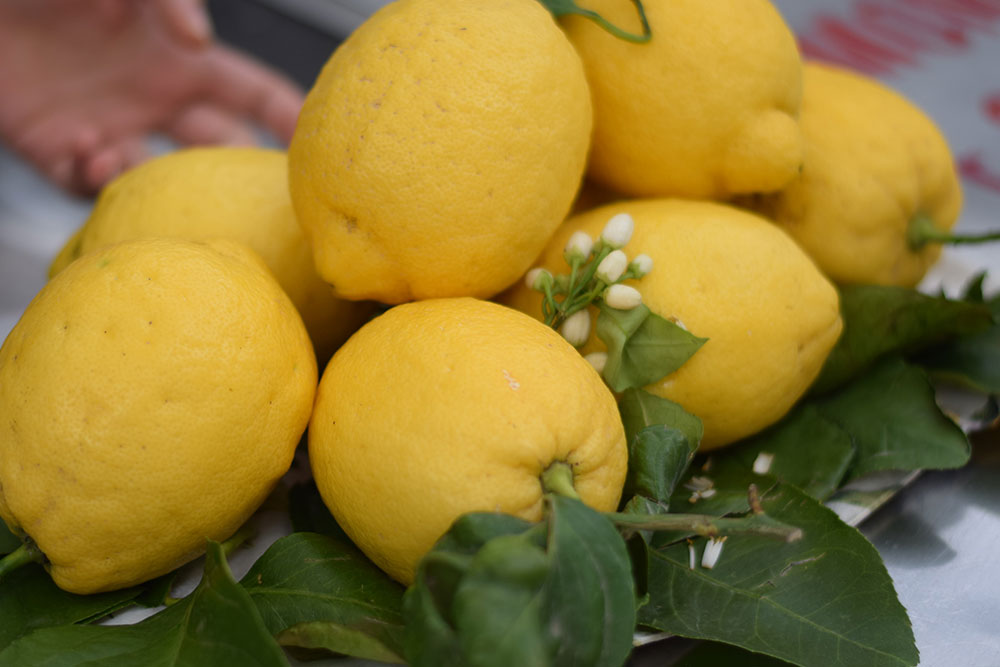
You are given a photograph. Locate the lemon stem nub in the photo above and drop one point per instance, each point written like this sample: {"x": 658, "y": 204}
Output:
{"x": 558, "y": 479}
{"x": 922, "y": 231}
{"x": 245, "y": 532}
{"x": 24, "y": 554}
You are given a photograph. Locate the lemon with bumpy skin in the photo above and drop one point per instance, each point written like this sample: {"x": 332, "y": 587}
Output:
{"x": 227, "y": 192}
{"x": 730, "y": 276}
{"x": 151, "y": 396}
{"x": 706, "y": 109}
{"x": 875, "y": 164}
{"x": 439, "y": 148}
{"x": 447, "y": 406}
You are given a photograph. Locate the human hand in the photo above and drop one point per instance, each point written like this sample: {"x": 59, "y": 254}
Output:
{"x": 86, "y": 82}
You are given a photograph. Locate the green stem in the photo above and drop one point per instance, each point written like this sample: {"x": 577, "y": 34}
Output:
{"x": 708, "y": 526}
{"x": 558, "y": 479}
{"x": 922, "y": 231}
{"x": 561, "y": 7}
{"x": 245, "y": 532}
{"x": 28, "y": 552}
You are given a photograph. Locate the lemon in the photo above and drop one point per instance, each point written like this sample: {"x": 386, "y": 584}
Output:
{"x": 707, "y": 108}
{"x": 769, "y": 315}
{"x": 439, "y": 148}
{"x": 874, "y": 162}
{"x": 236, "y": 193}
{"x": 151, "y": 396}
{"x": 447, "y": 406}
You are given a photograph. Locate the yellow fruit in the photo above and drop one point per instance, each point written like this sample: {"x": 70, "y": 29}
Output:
{"x": 447, "y": 406}
{"x": 873, "y": 162}
{"x": 151, "y": 396}
{"x": 705, "y": 109}
{"x": 235, "y": 193}
{"x": 439, "y": 148}
{"x": 769, "y": 315}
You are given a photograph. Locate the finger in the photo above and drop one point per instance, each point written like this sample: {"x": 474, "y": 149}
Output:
{"x": 58, "y": 146}
{"x": 187, "y": 21}
{"x": 249, "y": 89}
{"x": 202, "y": 124}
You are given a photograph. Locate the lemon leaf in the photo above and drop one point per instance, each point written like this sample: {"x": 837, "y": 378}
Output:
{"x": 829, "y": 591}
{"x": 894, "y": 421}
{"x": 30, "y": 600}
{"x": 881, "y": 320}
{"x": 805, "y": 449}
{"x": 662, "y": 439}
{"x": 971, "y": 361}
{"x": 642, "y": 346}
{"x": 556, "y": 593}
{"x": 658, "y": 456}
{"x": 317, "y": 591}
{"x": 216, "y": 625}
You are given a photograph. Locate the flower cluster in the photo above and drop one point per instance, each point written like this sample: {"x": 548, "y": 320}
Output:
{"x": 597, "y": 271}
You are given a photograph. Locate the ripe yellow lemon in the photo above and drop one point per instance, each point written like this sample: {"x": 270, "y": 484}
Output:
{"x": 228, "y": 192}
{"x": 151, "y": 396}
{"x": 707, "y": 108}
{"x": 447, "y": 406}
{"x": 439, "y": 148}
{"x": 769, "y": 315}
{"x": 874, "y": 162}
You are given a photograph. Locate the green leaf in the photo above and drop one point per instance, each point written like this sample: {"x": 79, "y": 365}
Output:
{"x": 591, "y": 597}
{"x": 431, "y": 637}
{"x": 640, "y": 409}
{"x": 809, "y": 451}
{"x": 8, "y": 540}
{"x": 970, "y": 361}
{"x": 360, "y": 641}
{"x": 658, "y": 457}
{"x": 556, "y": 593}
{"x": 658, "y": 460}
{"x": 499, "y": 605}
{"x": 894, "y": 422}
{"x": 29, "y": 600}
{"x": 880, "y": 320}
{"x": 562, "y": 7}
{"x": 827, "y": 595}
{"x": 215, "y": 625}
{"x": 642, "y": 346}
{"x": 327, "y": 591}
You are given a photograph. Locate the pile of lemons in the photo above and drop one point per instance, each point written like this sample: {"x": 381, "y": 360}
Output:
{"x": 155, "y": 390}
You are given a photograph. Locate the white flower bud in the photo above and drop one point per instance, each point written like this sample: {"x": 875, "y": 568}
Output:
{"x": 622, "y": 297}
{"x": 576, "y": 328}
{"x": 618, "y": 231}
{"x": 597, "y": 360}
{"x": 578, "y": 247}
{"x": 762, "y": 464}
{"x": 612, "y": 267}
{"x": 641, "y": 265}
{"x": 538, "y": 278}
{"x": 713, "y": 549}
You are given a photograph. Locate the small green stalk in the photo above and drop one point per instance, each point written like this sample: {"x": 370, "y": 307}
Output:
{"x": 28, "y": 552}
{"x": 558, "y": 479}
{"x": 707, "y": 526}
{"x": 561, "y": 7}
{"x": 556, "y": 312}
{"x": 922, "y": 231}
{"x": 245, "y": 533}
